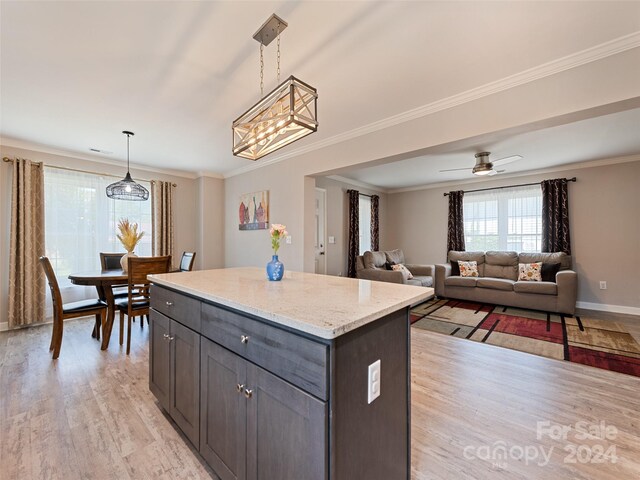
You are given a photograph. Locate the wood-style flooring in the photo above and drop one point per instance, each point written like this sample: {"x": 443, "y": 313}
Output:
{"x": 90, "y": 415}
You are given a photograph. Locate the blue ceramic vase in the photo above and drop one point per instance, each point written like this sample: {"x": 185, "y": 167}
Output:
{"x": 275, "y": 269}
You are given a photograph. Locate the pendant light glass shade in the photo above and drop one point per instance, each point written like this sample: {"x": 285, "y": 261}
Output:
{"x": 283, "y": 116}
{"x": 127, "y": 189}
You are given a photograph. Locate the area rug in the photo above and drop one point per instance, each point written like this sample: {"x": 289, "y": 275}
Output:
{"x": 598, "y": 343}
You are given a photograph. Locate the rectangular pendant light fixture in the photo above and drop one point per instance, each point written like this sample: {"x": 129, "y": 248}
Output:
{"x": 283, "y": 116}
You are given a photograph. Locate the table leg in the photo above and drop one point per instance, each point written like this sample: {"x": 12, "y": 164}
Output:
{"x": 106, "y": 293}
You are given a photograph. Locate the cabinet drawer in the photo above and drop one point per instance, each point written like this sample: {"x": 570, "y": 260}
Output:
{"x": 183, "y": 309}
{"x": 297, "y": 359}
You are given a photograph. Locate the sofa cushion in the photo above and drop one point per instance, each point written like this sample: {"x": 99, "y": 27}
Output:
{"x": 557, "y": 257}
{"x": 549, "y": 271}
{"x": 460, "y": 281}
{"x": 468, "y": 257}
{"x": 395, "y": 256}
{"x": 421, "y": 281}
{"x": 530, "y": 272}
{"x": 374, "y": 259}
{"x": 501, "y": 265}
{"x": 496, "y": 283}
{"x": 544, "y": 288}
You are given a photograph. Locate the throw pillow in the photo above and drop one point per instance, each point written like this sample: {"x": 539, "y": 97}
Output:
{"x": 468, "y": 269}
{"x": 389, "y": 265}
{"x": 530, "y": 272}
{"x": 549, "y": 271}
{"x": 455, "y": 268}
{"x": 406, "y": 274}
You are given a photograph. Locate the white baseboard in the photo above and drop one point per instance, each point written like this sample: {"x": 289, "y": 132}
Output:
{"x": 4, "y": 326}
{"x": 602, "y": 307}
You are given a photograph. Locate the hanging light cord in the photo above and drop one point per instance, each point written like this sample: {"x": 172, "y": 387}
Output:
{"x": 128, "y": 152}
{"x": 278, "y": 54}
{"x": 261, "y": 71}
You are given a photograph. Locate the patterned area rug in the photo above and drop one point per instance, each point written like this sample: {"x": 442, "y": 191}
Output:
{"x": 598, "y": 343}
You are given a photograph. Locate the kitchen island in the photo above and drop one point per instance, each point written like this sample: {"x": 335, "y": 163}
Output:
{"x": 307, "y": 378}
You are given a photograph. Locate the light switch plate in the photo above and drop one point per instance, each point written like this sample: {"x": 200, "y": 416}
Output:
{"x": 288, "y": 239}
{"x": 373, "y": 383}
{"x": 332, "y": 239}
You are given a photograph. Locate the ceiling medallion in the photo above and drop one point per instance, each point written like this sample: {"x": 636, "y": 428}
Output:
{"x": 284, "y": 115}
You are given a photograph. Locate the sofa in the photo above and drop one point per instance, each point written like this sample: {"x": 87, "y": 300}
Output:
{"x": 373, "y": 266}
{"x": 497, "y": 282}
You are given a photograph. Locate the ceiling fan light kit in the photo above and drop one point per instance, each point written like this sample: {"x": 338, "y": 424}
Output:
{"x": 286, "y": 114}
{"x": 127, "y": 188}
{"x": 483, "y": 166}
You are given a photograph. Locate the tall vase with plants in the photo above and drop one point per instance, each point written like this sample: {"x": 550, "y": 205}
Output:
{"x": 275, "y": 268}
{"x": 129, "y": 237}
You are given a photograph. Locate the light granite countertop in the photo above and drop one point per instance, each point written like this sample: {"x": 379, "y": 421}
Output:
{"x": 321, "y": 305}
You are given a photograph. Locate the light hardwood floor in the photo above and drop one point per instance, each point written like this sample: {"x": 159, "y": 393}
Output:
{"x": 90, "y": 415}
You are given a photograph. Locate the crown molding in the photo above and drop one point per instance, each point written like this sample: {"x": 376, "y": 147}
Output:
{"x": 36, "y": 147}
{"x": 357, "y": 183}
{"x": 218, "y": 176}
{"x": 560, "y": 168}
{"x": 592, "y": 54}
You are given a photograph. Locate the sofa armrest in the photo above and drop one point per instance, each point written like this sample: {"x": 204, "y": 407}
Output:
{"x": 421, "y": 270}
{"x": 377, "y": 274}
{"x": 442, "y": 271}
{"x": 567, "y": 281}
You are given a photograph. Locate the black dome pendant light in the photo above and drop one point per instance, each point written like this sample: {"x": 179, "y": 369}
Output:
{"x": 127, "y": 189}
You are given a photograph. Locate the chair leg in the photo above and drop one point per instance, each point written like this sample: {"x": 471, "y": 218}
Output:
{"x": 121, "y": 328}
{"x": 58, "y": 340}
{"x": 141, "y": 321}
{"x": 53, "y": 334}
{"x": 98, "y": 325}
{"x": 129, "y": 335}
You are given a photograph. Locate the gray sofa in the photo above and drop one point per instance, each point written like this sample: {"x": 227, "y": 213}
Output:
{"x": 372, "y": 266}
{"x": 497, "y": 282}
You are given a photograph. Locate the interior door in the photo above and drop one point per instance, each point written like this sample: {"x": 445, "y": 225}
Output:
{"x": 320, "y": 233}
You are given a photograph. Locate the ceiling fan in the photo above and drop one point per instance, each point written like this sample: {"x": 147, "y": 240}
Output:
{"x": 485, "y": 167}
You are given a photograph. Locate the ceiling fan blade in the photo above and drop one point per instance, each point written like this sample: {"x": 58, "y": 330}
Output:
{"x": 455, "y": 169}
{"x": 505, "y": 160}
{"x": 495, "y": 172}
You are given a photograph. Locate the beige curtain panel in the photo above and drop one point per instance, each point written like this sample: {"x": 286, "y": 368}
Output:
{"x": 162, "y": 218}
{"x": 26, "y": 277}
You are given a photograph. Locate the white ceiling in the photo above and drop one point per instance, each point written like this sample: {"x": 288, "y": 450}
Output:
{"x": 603, "y": 137}
{"x": 75, "y": 74}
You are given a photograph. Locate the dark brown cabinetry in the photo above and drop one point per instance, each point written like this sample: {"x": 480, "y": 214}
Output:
{"x": 262, "y": 401}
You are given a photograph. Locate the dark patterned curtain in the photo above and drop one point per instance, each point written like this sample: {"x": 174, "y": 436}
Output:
{"x": 455, "y": 233}
{"x": 354, "y": 231}
{"x": 375, "y": 224}
{"x": 555, "y": 216}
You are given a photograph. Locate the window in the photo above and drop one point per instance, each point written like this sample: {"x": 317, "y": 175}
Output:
{"x": 364, "y": 222}
{"x": 81, "y": 222}
{"x": 504, "y": 219}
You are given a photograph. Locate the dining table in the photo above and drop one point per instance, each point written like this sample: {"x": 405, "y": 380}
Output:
{"x": 104, "y": 281}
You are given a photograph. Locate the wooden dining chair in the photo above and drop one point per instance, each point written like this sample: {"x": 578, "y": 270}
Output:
{"x": 111, "y": 261}
{"x": 137, "y": 301}
{"x": 186, "y": 262}
{"x": 65, "y": 311}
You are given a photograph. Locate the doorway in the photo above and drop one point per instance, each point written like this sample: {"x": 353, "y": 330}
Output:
{"x": 320, "y": 231}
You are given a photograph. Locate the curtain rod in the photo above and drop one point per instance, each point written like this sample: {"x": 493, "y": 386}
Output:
{"x": 446, "y": 194}
{"x": 363, "y": 194}
{"x": 11, "y": 160}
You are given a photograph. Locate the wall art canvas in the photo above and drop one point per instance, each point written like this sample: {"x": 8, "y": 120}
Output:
{"x": 253, "y": 211}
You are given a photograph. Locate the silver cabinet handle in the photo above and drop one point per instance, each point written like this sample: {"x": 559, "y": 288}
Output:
{"x": 248, "y": 393}
{"x": 166, "y": 337}
{"x": 244, "y": 338}
{"x": 169, "y": 304}
{"x": 239, "y": 387}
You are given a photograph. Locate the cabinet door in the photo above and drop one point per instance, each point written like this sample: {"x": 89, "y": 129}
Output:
{"x": 223, "y": 412}
{"x": 185, "y": 380}
{"x": 286, "y": 430}
{"x": 159, "y": 358}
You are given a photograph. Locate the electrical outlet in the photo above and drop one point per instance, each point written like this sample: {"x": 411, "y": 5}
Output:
{"x": 603, "y": 285}
{"x": 288, "y": 239}
{"x": 373, "y": 383}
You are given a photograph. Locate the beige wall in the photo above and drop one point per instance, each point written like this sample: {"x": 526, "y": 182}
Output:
{"x": 196, "y": 229}
{"x": 338, "y": 222}
{"x": 604, "y": 210}
{"x": 561, "y": 97}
